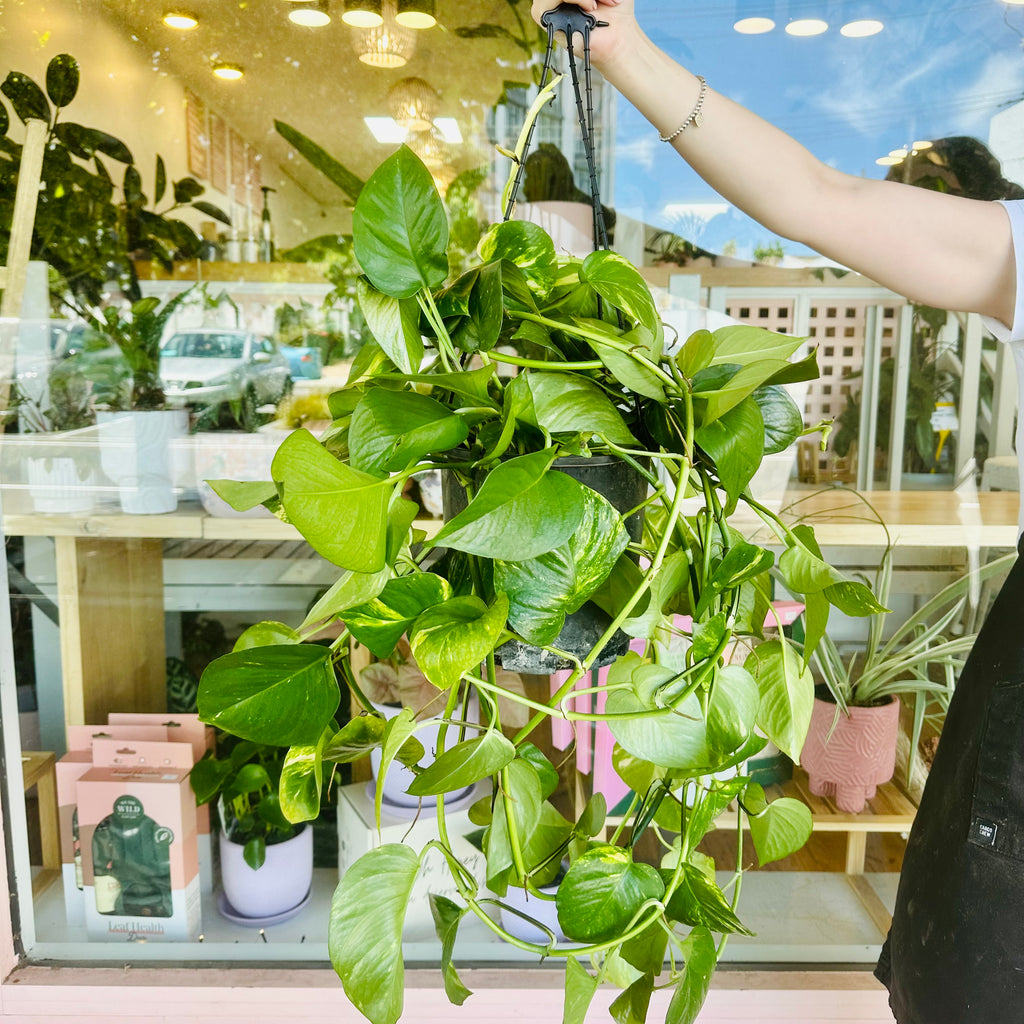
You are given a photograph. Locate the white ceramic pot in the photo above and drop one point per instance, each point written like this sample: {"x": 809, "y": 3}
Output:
{"x": 398, "y": 778}
{"x": 543, "y": 911}
{"x": 135, "y": 451}
{"x": 225, "y": 455}
{"x": 281, "y": 883}
{"x": 56, "y": 486}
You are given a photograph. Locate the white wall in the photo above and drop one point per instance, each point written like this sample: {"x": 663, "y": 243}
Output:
{"x": 125, "y": 92}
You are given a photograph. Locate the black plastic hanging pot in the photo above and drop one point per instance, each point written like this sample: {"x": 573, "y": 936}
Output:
{"x": 625, "y": 489}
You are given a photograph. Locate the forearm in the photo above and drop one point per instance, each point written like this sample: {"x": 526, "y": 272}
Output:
{"x": 938, "y": 249}
{"x": 748, "y": 161}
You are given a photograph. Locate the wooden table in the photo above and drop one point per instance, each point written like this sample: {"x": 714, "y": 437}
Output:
{"x": 110, "y": 579}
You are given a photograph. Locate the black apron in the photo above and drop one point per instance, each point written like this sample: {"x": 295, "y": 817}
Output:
{"x": 955, "y": 952}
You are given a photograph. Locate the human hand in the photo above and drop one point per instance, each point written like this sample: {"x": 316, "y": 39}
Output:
{"x": 606, "y": 43}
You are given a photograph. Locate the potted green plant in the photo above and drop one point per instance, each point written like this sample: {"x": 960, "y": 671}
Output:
{"x": 852, "y": 739}
{"x": 587, "y": 378}
{"x": 136, "y": 429}
{"x": 59, "y": 465}
{"x": 266, "y": 861}
{"x": 87, "y": 228}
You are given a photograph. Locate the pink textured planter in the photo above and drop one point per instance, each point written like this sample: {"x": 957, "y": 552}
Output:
{"x": 858, "y": 757}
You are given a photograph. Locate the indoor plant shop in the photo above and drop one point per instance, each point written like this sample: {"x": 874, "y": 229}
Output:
{"x": 529, "y": 359}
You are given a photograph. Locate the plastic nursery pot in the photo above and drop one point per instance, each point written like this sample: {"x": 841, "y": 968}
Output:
{"x": 280, "y": 884}
{"x": 625, "y": 489}
{"x": 858, "y": 756}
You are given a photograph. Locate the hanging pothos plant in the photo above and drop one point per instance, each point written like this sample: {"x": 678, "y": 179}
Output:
{"x": 527, "y": 358}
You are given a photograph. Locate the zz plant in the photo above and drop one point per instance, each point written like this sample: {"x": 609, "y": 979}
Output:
{"x": 528, "y": 358}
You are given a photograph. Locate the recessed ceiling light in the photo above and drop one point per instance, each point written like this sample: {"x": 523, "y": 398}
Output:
{"x": 180, "y": 19}
{"x": 807, "y": 27}
{"x": 363, "y": 13}
{"x": 754, "y": 26}
{"x": 863, "y": 28}
{"x": 229, "y": 72}
{"x": 310, "y": 15}
{"x": 887, "y": 161}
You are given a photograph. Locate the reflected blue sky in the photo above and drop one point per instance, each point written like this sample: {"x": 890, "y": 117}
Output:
{"x": 936, "y": 69}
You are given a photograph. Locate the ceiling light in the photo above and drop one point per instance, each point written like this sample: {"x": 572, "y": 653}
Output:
{"x": 898, "y": 154}
{"x": 229, "y": 72}
{"x": 417, "y": 14}
{"x": 389, "y": 45}
{"x": 363, "y": 13}
{"x": 181, "y": 20}
{"x": 386, "y": 129}
{"x": 313, "y": 14}
{"x": 429, "y": 147}
{"x": 921, "y": 145}
{"x": 807, "y": 27}
{"x": 754, "y": 26}
{"x": 887, "y": 161}
{"x": 862, "y": 28}
{"x": 413, "y": 103}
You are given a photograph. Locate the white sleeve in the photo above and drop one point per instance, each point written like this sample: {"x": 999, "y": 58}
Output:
{"x": 1015, "y": 211}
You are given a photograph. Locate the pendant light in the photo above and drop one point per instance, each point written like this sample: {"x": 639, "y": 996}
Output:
{"x": 312, "y": 14}
{"x": 417, "y": 14}
{"x": 389, "y": 45}
{"x": 413, "y": 103}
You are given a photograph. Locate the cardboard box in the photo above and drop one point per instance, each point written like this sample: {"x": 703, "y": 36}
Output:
{"x": 75, "y": 763}
{"x": 183, "y": 728}
{"x": 357, "y": 834}
{"x": 137, "y": 828}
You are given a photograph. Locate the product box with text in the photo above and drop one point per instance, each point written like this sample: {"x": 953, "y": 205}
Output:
{"x": 137, "y": 832}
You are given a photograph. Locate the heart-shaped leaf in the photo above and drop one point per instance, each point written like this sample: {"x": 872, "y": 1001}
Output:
{"x": 395, "y": 323}
{"x": 479, "y": 331}
{"x": 348, "y": 591}
{"x": 400, "y": 228}
{"x": 456, "y": 636}
{"x": 380, "y": 623}
{"x": 780, "y": 829}
{"x": 355, "y": 739}
{"x": 570, "y": 404}
{"x": 735, "y": 442}
{"x": 285, "y": 696}
{"x": 340, "y": 511}
{"x": 580, "y": 986}
{"x": 699, "y": 956}
{"x": 743, "y": 345}
{"x": 526, "y": 245}
{"x": 543, "y": 590}
{"x": 619, "y": 283}
{"x": 365, "y": 932}
{"x": 392, "y": 430}
{"x": 521, "y": 511}
{"x": 447, "y": 915}
{"x": 787, "y": 695}
{"x": 302, "y": 777}
{"x": 601, "y": 892}
{"x": 464, "y": 764}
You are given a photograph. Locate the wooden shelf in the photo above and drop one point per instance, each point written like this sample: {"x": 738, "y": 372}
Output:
{"x": 890, "y": 810}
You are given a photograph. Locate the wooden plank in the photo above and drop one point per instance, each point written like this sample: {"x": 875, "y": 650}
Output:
{"x": 856, "y": 849}
{"x": 188, "y": 523}
{"x": 19, "y": 245}
{"x": 876, "y": 909}
{"x": 110, "y": 598}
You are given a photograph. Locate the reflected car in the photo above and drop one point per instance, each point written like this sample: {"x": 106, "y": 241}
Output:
{"x": 213, "y": 369}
